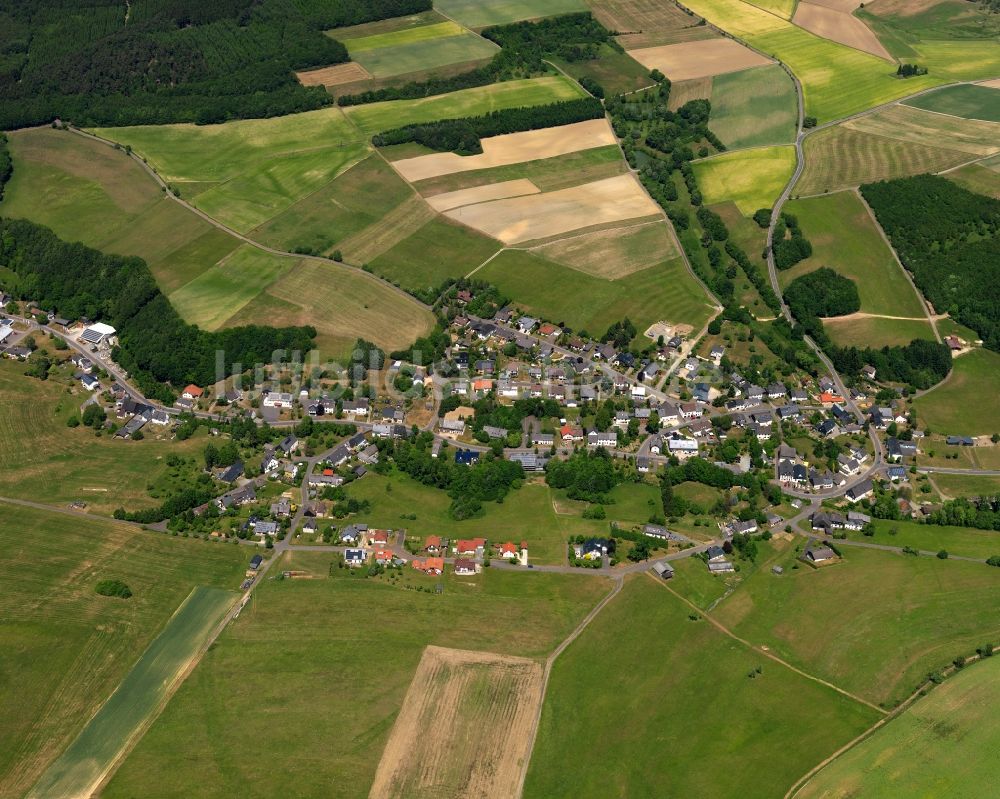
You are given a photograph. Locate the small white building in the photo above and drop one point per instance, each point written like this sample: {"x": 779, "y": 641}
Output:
{"x": 98, "y": 334}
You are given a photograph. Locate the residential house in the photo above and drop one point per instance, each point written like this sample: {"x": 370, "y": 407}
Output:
{"x": 464, "y": 566}
{"x": 860, "y": 491}
{"x": 433, "y": 566}
{"x": 596, "y": 438}
{"x": 355, "y": 557}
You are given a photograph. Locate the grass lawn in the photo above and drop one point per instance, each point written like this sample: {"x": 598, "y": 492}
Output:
{"x": 437, "y": 250}
{"x": 248, "y": 171}
{"x": 965, "y": 541}
{"x": 86, "y": 191}
{"x": 751, "y": 178}
{"x": 139, "y": 697}
{"x": 66, "y": 464}
{"x": 844, "y": 238}
{"x": 693, "y": 581}
{"x": 897, "y": 617}
{"x": 548, "y": 174}
{"x": 969, "y": 102}
{"x": 754, "y": 107}
{"x": 355, "y": 199}
{"x": 375, "y": 117}
{"x": 584, "y": 302}
{"x": 424, "y": 48}
{"x": 968, "y": 402}
{"x": 875, "y": 331}
{"x": 342, "y": 303}
{"x": 219, "y": 293}
{"x": 960, "y": 485}
{"x": 287, "y": 673}
{"x": 944, "y": 746}
{"x": 480, "y": 13}
{"x": 661, "y": 692}
{"x": 64, "y": 647}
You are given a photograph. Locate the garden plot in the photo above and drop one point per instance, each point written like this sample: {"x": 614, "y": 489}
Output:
{"x": 702, "y": 59}
{"x": 838, "y": 26}
{"x": 465, "y": 727}
{"x": 541, "y": 216}
{"x": 512, "y": 148}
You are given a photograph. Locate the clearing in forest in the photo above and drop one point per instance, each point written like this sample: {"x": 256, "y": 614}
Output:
{"x": 539, "y": 216}
{"x": 512, "y": 148}
{"x": 465, "y": 727}
{"x": 689, "y": 60}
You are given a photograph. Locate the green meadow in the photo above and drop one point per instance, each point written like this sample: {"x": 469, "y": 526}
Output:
{"x": 966, "y": 542}
{"x": 375, "y": 117}
{"x": 754, "y": 107}
{"x": 302, "y": 671}
{"x": 480, "y": 13}
{"x": 417, "y": 48}
{"x": 968, "y": 401}
{"x": 65, "y": 649}
{"x": 653, "y": 693}
{"x": 750, "y": 178}
{"x": 968, "y": 102}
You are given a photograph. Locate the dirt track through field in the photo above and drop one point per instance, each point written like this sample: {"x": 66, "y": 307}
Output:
{"x": 464, "y": 730}
{"x": 480, "y": 194}
{"x": 991, "y": 84}
{"x": 690, "y": 60}
{"x": 405, "y": 219}
{"x": 838, "y": 26}
{"x": 511, "y": 148}
{"x": 539, "y": 216}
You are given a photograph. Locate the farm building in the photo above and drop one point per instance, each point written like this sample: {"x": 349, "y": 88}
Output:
{"x": 98, "y": 334}
{"x": 664, "y": 570}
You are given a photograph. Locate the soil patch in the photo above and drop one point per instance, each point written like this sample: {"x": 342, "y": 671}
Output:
{"x": 839, "y": 26}
{"x": 698, "y": 59}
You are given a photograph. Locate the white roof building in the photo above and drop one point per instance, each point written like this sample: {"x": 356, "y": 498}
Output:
{"x": 97, "y": 333}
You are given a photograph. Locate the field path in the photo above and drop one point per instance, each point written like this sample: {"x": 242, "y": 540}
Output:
{"x": 931, "y": 318}
{"x": 765, "y": 652}
{"x": 533, "y": 734}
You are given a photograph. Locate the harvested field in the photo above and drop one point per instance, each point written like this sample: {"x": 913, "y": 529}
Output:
{"x": 687, "y": 90}
{"x": 465, "y": 727}
{"x": 87, "y": 761}
{"x": 336, "y": 75}
{"x": 512, "y": 148}
{"x": 339, "y": 301}
{"x": 839, "y": 157}
{"x": 698, "y": 59}
{"x": 754, "y": 107}
{"x": 539, "y": 216}
{"x": 751, "y": 178}
{"x": 615, "y": 253}
{"x": 387, "y": 232}
{"x": 839, "y": 26}
{"x": 648, "y": 23}
{"x": 972, "y": 136}
{"x": 479, "y": 194}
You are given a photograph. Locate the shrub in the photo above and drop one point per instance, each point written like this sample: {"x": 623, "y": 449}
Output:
{"x": 114, "y": 588}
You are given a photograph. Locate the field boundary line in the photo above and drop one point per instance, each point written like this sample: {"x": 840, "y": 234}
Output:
{"x": 485, "y": 262}
{"x": 906, "y": 272}
{"x": 549, "y": 661}
{"x": 765, "y": 652}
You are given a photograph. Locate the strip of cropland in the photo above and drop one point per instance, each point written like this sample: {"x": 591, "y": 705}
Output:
{"x": 480, "y": 13}
{"x": 690, "y": 689}
{"x": 66, "y": 648}
{"x": 966, "y": 101}
{"x": 299, "y": 627}
{"x": 649, "y": 23}
{"x": 947, "y": 740}
{"x": 89, "y": 759}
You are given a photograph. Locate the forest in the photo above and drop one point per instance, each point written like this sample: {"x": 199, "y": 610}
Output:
{"x": 462, "y": 135}
{"x": 949, "y": 239}
{"x": 155, "y": 345}
{"x": 822, "y": 293}
{"x": 106, "y": 62}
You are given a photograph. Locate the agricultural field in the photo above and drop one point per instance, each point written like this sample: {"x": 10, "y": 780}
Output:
{"x": 107, "y": 473}
{"x": 845, "y": 238}
{"x": 699, "y": 59}
{"x": 899, "y": 617}
{"x": 967, "y": 402}
{"x": 86, "y": 191}
{"x": 413, "y": 48}
{"x": 947, "y": 740}
{"x": 613, "y": 71}
{"x": 754, "y": 107}
{"x": 333, "y": 76}
{"x": 972, "y": 485}
{"x": 246, "y": 172}
{"x": 862, "y": 331}
{"x": 837, "y": 25}
{"x": 897, "y": 142}
{"x": 649, "y": 23}
{"x": 342, "y": 303}
{"x": 583, "y": 302}
{"x": 465, "y": 726}
{"x": 965, "y": 542}
{"x": 436, "y": 250}
{"x": 906, "y": 27}
{"x": 85, "y": 764}
{"x": 750, "y": 178}
{"x": 66, "y": 648}
{"x": 615, "y": 253}
{"x": 482, "y": 13}
{"x": 968, "y": 102}
{"x": 506, "y": 613}
{"x": 690, "y": 690}
{"x": 977, "y": 178}
{"x": 376, "y": 117}
{"x": 322, "y": 222}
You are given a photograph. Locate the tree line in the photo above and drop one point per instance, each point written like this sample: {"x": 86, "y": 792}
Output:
{"x": 156, "y": 346}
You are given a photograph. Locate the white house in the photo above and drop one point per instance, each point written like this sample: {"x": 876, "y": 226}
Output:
{"x": 277, "y": 399}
